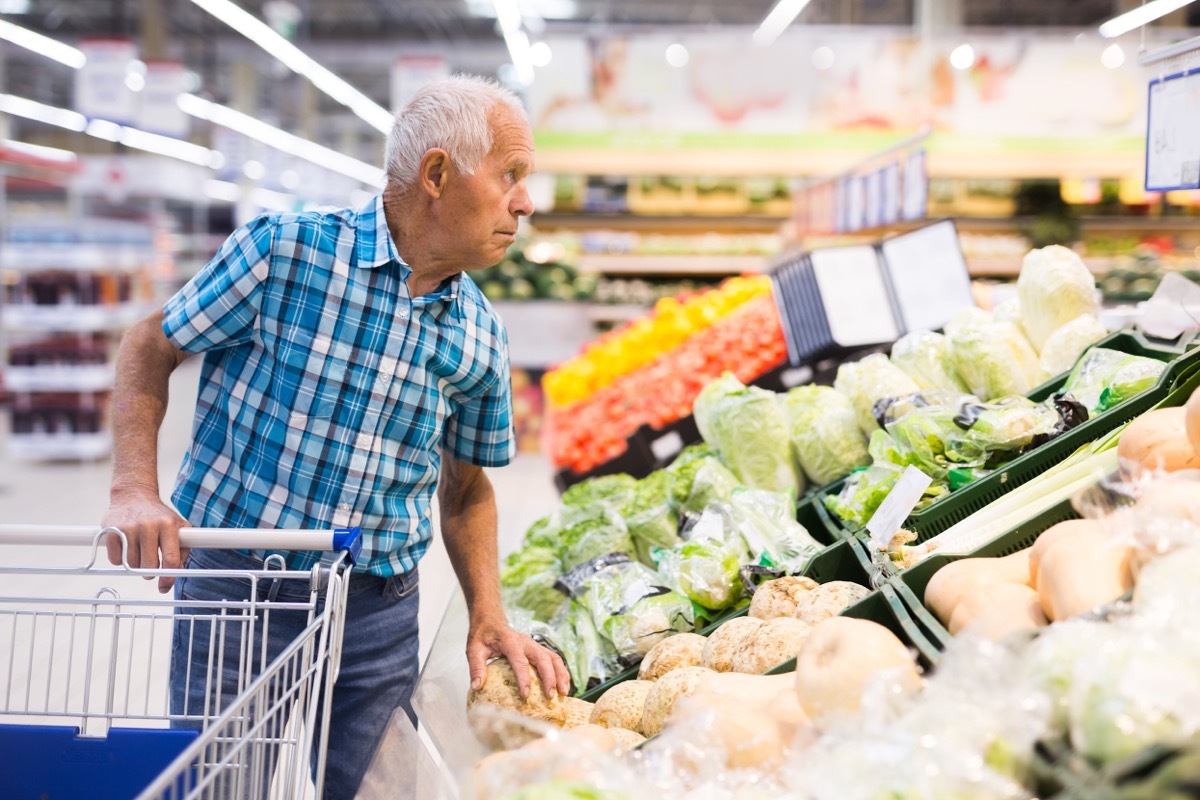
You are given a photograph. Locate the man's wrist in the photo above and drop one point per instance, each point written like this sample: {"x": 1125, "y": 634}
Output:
{"x": 133, "y": 490}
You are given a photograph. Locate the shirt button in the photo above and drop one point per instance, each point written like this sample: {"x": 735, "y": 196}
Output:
{"x": 403, "y": 312}
{"x": 364, "y": 441}
{"x": 344, "y": 507}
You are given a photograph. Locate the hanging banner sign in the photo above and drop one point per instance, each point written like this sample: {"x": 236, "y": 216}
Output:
{"x": 100, "y": 90}
{"x": 1173, "y": 133}
{"x": 410, "y": 73}
{"x": 158, "y": 106}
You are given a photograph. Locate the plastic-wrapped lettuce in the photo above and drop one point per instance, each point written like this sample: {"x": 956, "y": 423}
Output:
{"x": 527, "y": 581}
{"x": 747, "y": 428}
{"x": 543, "y": 533}
{"x": 1008, "y": 311}
{"x": 1064, "y": 347}
{"x": 868, "y": 381}
{"x": 866, "y": 488}
{"x": 698, "y": 478}
{"x": 926, "y": 432}
{"x": 1055, "y": 287}
{"x": 1104, "y": 378}
{"x": 704, "y": 570}
{"x": 1008, "y": 425}
{"x": 925, "y": 357}
{"x": 609, "y": 490}
{"x": 590, "y": 658}
{"x": 825, "y": 433}
{"x": 768, "y": 526}
{"x": 648, "y": 514}
{"x": 589, "y": 532}
{"x": 994, "y": 359}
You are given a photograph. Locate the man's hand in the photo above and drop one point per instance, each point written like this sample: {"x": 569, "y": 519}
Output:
{"x": 150, "y": 526}
{"x": 491, "y": 638}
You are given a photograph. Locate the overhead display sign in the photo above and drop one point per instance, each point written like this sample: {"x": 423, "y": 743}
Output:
{"x": 158, "y": 106}
{"x": 100, "y": 90}
{"x": 1173, "y": 133}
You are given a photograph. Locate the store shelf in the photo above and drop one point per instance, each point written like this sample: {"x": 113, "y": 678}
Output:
{"x": 70, "y": 318}
{"x": 49, "y": 446}
{"x": 642, "y": 223}
{"x": 83, "y": 258}
{"x": 1009, "y": 267}
{"x": 47, "y": 378}
{"x": 632, "y": 264}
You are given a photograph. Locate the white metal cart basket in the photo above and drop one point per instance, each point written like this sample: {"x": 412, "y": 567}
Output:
{"x": 84, "y": 657}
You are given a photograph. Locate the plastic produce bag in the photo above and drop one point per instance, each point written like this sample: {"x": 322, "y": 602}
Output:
{"x": 1055, "y": 287}
{"x": 648, "y": 514}
{"x": 1064, "y": 347}
{"x": 928, "y": 432}
{"x": 1104, "y": 378}
{"x": 994, "y": 359}
{"x": 699, "y": 478}
{"x": 527, "y": 581}
{"x": 859, "y": 499}
{"x": 589, "y": 532}
{"x": 925, "y": 357}
{"x": 768, "y": 526}
{"x": 612, "y": 491}
{"x": 544, "y": 532}
{"x": 825, "y": 433}
{"x": 1007, "y": 426}
{"x": 747, "y": 428}
{"x": 706, "y": 566}
{"x": 590, "y": 658}
{"x": 868, "y": 381}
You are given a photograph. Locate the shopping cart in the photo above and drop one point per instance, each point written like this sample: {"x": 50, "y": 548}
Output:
{"x": 84, "y": 703}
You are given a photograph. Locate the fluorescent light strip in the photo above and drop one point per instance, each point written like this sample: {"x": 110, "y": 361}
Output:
{"x": 111, "y": 131}
{"x": 1142, "y": 15}
{"x": 281, "y": 140}
{"x": 42, "y": 45}
{"x": 294, "y": 59}
{"x": 508, "y": 14}
{"x": 777, "y": 21}
{"x": 39, "y": 151}
{"x": 222, "y": 190}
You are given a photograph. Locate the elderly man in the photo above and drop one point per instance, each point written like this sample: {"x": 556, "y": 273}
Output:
{"x": 350, "y": 367}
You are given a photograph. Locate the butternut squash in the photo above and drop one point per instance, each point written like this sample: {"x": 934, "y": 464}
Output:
{"x": 996, "y": 609}
{"x": 750, "y": 740}
{"x": 1080, "y": 530}
{"x": 838, "y": 659}
{"x": 948, "y": 585}
{"x": 1157, "y": 440}
{"x": 1074, "y": 579}
{"x": 1179, "y": 499}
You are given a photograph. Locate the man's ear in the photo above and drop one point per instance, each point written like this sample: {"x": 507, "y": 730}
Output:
{"x": 434, "y": 172}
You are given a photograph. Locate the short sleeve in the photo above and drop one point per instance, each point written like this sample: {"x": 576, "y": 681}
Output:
{"x": 481, "y": 432}
{"x": 218, "y": 306}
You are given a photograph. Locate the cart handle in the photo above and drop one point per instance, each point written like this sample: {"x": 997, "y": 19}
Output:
{"x": 348, "y": 540}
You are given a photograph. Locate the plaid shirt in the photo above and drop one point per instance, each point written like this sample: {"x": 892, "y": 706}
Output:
{"x": 327, "y": 391}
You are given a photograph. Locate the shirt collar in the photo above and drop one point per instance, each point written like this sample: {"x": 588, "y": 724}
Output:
{"x": 375, "y": 245}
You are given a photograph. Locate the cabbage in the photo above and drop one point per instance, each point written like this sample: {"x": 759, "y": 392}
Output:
{"x": 1064, "y": 347}
{"x": 1055, "y": 287}
{"x": 543, "y": 533}
{"x": 994, "y": 359}
{"x": 859, "y": 499}
{"x": 767, "y": 523}
{"x": 1008, "y": 425}
{"x": 591, "y": 532}
{"x": 609, "y": 490}
{"x": 925, "y": 357}
{"x": 698, "y": 478}
{"x": 1104, "y": 378}
{"x": 868, "y": 381}
{"x": 747, "y": 428}
{"x": 1008, "y": 311}
{"x": 651, "y": 520}
{"x": 527, "y": 580}
{"x": 824, "y": 433}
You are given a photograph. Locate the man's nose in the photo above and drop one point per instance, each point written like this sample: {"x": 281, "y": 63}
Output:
{"x": 522, "y": 204}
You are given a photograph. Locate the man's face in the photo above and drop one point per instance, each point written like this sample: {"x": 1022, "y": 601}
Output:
{"x": 480, "y": 211}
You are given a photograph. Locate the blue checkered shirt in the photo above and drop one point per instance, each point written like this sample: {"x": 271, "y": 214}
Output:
{"x": 327, "y": 391}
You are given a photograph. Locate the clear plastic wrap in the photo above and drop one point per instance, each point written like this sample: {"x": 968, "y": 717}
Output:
{"x": 612, "y": 491}
{"x": 527, "y": 581}
{"x": 767, "y": 524}
{"x": 925, "y": 357}
{"x": 748, "y": 429}
{"x": 592, "y": 531}
{"x": 1104, "y": 378}
{"x": 706, "y": 566}
{"x": 649, "y": 516}
{"x": 590, "y": 658}
{"x": 1054, "y": 287}
{"x": 868, "y": 381}
{"x": 825, "y": 433}
{"x": 866, "y": 489}
{"x": 994, "y": 359}
{"x": 698, "y": 478}
{"x": 1066, "y": 344}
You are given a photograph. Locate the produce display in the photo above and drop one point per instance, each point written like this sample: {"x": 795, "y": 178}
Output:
{"x": 527, "y": 274}
{"x": 748, "y": 342}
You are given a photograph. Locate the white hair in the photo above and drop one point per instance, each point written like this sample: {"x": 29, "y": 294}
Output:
{"x": 452, "y": 114}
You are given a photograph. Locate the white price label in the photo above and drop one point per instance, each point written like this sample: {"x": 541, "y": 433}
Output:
{"x": 896, "y": 507}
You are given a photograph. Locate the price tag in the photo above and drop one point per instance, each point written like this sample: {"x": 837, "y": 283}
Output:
{"x": 666, "y": 446}
{"x": 896, "y": 507}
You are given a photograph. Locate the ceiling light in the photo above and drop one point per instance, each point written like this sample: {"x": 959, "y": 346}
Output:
{"x": 677, "y": 55}
{"x": 276, "y": 201}
{"x": 103, "y": 129}
{"x": 777, "y": 21}
{"x": 822, "y": 58}
{"x": 40, "y": 151}
{"x": 42, "y": 45}
{"x": 1140, "y": 16}
{"x": 20, "y": 107}
{"x": 962, "y": 57}
{"x": 14, "y": 6}
{"x": 222, "y": 190}
{"x": 168, "y": 146}
{"x": 135, "y": 82}
{"x": 281, "y": 140}
{"x": 540, "y": 54}
{"x": 508, "y": 14}
{"x": 294, "y": 59}
{"x": 1113, "y": 56}
{"x": 254, "y": 170}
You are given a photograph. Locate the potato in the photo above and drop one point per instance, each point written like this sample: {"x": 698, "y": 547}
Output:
{"x": 622, "y": 705}
{"x": 772, "y": 644}
{"x": 579, "y": 712}
{"x": 665, "y": 694}
{"x": 779, "y": 598}
{"x": 828, "y": 600}
{"x": 1157, "y": 440}
{"x": 727, "y": 641}
{"x": 674, "y": 652}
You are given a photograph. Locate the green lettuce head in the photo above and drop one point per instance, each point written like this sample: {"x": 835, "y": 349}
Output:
{"x": 608, "y": 490}
{"x": 699, "y": 478}
{"x": 649, "y": 515}
{"x": 527, "y": 580}
{"x": 925, "y": 357}
{"x": 824, "y": 433}
{"x": 590, "y": 532}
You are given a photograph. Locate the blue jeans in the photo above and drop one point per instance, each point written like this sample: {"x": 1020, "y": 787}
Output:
{"x": 379, "y": 663}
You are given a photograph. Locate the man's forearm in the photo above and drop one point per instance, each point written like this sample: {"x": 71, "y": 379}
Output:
{"x": 144, "y": 365}
{"x": 469, "y": 530}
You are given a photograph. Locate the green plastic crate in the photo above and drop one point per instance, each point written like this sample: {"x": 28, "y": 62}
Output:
{"x": 816, "y": 519}
{"x": 910, "y": 584}
{"x": 959, "y": 505}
